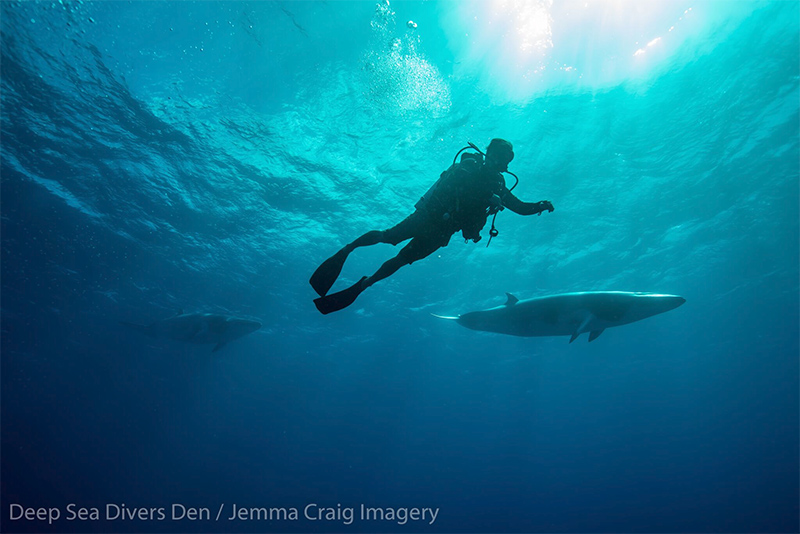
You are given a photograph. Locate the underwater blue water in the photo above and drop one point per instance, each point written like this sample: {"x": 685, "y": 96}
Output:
{"x": 207, "y": 156}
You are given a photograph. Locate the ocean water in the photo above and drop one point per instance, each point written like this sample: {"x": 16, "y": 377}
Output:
{"x": 207, "y": 156}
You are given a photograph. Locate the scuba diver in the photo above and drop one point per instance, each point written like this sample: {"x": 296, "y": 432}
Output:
{"x": 465, "y": 195}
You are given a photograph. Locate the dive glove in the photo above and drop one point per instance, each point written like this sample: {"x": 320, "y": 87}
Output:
{"x": 544, "y": 205}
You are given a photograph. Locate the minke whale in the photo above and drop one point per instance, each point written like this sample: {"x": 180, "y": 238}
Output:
{"x": 201, "y": 328}
{"x": 568, "y": 314}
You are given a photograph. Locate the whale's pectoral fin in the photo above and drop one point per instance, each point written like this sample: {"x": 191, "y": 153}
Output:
{"x": 218, "y": 346}
{"x": 582, "y": 328}
{"x": 595, "y": 334}
{"x": 574, "y": 337}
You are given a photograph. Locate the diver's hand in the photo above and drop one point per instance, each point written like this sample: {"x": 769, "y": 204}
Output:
{"x": 545, "y": 205}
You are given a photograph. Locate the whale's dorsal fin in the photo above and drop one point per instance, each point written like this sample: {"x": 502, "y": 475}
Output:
{"x": 511, "y": 299}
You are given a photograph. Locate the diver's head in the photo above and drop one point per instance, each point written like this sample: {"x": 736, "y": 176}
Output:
{"x": 499, "y": 154}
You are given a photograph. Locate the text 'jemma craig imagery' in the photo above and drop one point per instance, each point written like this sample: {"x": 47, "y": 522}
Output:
{"x": 346, "y": 515}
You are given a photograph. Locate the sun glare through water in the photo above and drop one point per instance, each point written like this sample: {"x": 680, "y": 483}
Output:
{"x": 520, "y": 48}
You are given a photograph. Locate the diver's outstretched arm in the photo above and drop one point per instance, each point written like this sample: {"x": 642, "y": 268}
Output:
{"x": 525, "y": 208}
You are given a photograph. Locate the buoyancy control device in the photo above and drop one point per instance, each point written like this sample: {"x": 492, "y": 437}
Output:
{"x": 444, "y": 198}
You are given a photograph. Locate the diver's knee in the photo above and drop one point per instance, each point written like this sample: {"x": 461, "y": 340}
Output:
{"x": 392, "y": 238}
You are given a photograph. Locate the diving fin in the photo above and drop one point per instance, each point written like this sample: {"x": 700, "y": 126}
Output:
{"x": 326, "y": 274}
{"x": 342, "y": 299}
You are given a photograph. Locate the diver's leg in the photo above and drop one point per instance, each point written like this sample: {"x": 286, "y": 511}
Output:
{"x": 370, "y": 238}
{"x": 415, "y": 250}
{"x": 398, "y": 233}
{"x": 386, "y": 270}
{"x": 326, "y": 274}
{"x": 342, "y": 299}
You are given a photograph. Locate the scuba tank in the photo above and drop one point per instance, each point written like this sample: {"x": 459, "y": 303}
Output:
{"x": 426, "y": 201}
